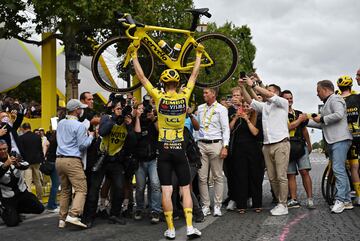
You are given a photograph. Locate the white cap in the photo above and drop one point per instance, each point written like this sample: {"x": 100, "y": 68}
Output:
{"x": 74, "y": 104}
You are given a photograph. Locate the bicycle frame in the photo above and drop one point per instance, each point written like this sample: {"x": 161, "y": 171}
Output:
{"x": 141, "y": 35}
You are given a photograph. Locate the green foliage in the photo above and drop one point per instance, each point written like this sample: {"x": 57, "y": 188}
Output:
{"x": 22, "y": 93}
{"x": 11, "y": 19}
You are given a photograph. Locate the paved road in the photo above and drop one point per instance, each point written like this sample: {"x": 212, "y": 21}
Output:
{"x": 300, "y": 224}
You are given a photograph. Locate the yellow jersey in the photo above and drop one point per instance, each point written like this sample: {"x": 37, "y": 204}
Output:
{"x": 171, "y": 109}
{"x": 114, "y": 142}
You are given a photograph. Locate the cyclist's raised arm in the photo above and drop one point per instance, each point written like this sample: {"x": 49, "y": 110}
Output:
{"x": 138, "y": 69}
{"x": 195, "y": 72}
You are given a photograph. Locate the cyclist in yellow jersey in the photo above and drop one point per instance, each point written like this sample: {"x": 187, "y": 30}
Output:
{"x": 171, "y": 107}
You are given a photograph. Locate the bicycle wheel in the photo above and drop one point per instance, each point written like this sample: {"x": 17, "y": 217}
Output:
{"x": 222, "y": 50}
{"x": 330, "y": 188}
{"x": 108, "y": 69}
{"x": 324, "y": 181}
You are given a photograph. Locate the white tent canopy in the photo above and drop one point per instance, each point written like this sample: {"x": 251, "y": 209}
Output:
{"x": 20, "y": 61}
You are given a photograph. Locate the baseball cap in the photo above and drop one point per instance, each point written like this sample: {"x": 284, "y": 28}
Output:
{"x": 75, "y": 104}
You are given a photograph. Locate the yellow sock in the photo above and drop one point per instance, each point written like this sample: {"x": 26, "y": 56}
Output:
{"x": 169, "y": 219}
{"x": 357, "y": 188}
{"x": 188, "y": 216}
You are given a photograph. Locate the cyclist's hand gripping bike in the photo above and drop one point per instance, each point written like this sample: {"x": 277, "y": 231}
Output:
{"x": 111, "y": 65}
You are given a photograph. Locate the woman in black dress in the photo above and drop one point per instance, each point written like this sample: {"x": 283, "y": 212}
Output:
{"x": 247, "y": 159}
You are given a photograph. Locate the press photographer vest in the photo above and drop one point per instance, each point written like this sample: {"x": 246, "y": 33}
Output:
{"x": 114, "y": 142}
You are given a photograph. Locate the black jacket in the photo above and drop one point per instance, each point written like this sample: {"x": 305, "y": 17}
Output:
{"x": 32, "y": 148}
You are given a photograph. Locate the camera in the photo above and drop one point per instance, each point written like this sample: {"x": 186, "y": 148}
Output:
{"x": 148, "y": 108}
{"x": 115, "y": 98}
{"x": 22, "y": 165}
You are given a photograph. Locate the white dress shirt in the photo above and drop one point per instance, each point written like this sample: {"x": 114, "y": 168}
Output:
{"x": 274, "y": 118}
{"x": 214, "y": 123}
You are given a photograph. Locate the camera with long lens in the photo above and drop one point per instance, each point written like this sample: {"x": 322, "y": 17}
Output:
{"x": 148, "y": 108}
{"x": 99, "y": 162}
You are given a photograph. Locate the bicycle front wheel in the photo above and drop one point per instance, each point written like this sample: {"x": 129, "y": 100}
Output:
{"x": 108, "y": 66}
{"x": 224, "y": 54}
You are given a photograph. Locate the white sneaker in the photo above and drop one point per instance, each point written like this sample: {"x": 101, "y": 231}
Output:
{"x": 310, "y": 203}
{"x": 206, "y": 211}
{"x": 169, "y": 234}
{"x": 231, "y": 205}
{"x": 62, "y": 224}
{"x": 279, "y": 210}
{"x": 348, "y": 205}
{"x": 56, "y": 210}
{"x": 75, "y": 221}
{"x": 192, "y": 232}
{"x": 217, "y": 211}
{"x": 338, "y": 207}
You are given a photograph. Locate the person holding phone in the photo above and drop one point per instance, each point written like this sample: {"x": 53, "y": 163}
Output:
{"x": 245, "y": 158}
{"x": 276, "y": 148}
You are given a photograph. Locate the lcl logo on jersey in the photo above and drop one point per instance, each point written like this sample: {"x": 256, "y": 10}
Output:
{"x": 172, "y": 120}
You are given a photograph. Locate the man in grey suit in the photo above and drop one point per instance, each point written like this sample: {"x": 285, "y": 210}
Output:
{"x": 333, "y": 122}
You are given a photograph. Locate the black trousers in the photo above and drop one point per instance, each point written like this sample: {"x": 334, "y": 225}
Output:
{"x": 115, "y": 172}
{"x": 248, "y": 173}
{"x": 24, "y": 202}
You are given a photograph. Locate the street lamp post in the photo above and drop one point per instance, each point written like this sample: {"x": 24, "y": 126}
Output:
{"x": 72, "y": 71}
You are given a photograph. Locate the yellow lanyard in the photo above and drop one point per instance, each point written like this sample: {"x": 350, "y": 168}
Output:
{"x": 207, "y": 123}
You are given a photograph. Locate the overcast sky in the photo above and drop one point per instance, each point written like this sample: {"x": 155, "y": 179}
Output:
{"x": 298, "y": 42}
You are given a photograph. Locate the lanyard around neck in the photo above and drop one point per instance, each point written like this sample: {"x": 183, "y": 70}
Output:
{"x": 207, "y": 123}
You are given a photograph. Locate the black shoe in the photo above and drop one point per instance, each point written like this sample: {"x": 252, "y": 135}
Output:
{"x": 199, "y": 217}
{"x": 89, "y": 223}
{"x": 138, "y": 215}
{"x": 102, "y": 214}
{"x": 117, "y": 220}
{"x": 154, "y": 217}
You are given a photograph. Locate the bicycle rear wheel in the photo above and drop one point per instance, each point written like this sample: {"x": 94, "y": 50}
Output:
{"x": 222, "y": 50}
{"x": 108, "y": 65}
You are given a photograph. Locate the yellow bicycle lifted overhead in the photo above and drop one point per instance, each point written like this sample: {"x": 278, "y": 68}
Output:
{"x": 111, "y": 63}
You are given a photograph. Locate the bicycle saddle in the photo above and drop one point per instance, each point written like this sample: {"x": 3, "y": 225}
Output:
{"x": 202, "y": 11}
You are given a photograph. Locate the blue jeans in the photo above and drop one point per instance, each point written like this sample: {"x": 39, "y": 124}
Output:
{"x": 53, "y": 190}
{"x": 148, "y": 169}
{"x": 338, "y": 152}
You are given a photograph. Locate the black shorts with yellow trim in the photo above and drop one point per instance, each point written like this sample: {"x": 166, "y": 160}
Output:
{"x": 172, "y": 159}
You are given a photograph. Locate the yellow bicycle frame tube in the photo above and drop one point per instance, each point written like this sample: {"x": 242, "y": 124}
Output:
{"x": 141, "y": 35}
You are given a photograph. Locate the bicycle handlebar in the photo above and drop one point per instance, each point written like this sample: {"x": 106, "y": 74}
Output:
{"x": 128, "y": 22}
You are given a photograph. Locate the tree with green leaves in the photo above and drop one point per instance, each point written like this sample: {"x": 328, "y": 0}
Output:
{"x": 77, "y": 23}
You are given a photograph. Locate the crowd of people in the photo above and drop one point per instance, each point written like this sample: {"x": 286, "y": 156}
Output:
{"x": 176, "y": 152}
{"x": 9, "y": 103}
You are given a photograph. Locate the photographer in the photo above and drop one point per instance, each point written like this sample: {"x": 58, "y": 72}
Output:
{"x": 13, "y": 191}
{"x": 146, "y": 154}
{"x": 117, "y": 143}
{"x": 9, "y": 129}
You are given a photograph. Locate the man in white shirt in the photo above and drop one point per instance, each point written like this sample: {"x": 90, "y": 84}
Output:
{"x": 276, "y": 147}
{"x": 214, "y": 135}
